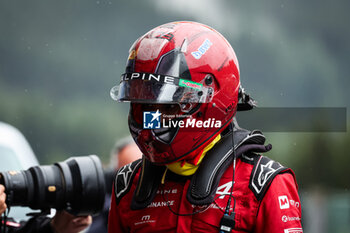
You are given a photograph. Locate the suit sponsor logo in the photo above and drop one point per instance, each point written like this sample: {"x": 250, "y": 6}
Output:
{"x": 264, "y": 171}
{"x": 284, "y": 202}
{"x": 123, "y": 178}
{"x": 167, "y": 191}
{"x": 294, "y": 203}
{"x": 161, "y": 204}
{"x": 145, "y": 219}
{"x": 286, "y": 218}
{"x": 293, "y": 230}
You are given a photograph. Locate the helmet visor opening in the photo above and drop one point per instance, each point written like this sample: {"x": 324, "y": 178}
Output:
{"x": 157, "y": 88}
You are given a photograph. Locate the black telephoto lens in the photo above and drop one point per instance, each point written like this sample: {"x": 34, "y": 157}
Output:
{"x": 76, "y": 185}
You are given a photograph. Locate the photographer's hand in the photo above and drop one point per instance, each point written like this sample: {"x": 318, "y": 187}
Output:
{"x": 63, "y": 222}
{"x": 3, "y": 205}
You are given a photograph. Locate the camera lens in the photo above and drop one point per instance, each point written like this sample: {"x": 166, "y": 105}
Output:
{"x": 76, "y": 185}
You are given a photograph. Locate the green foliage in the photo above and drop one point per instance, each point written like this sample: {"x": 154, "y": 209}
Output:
{"x": 318, "y": 159}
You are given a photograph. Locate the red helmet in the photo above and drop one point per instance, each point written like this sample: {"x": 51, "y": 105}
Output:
{"x": 179, "y": 72}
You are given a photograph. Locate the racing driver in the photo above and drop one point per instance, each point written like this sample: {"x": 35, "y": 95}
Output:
{"x": 200, "y": 172}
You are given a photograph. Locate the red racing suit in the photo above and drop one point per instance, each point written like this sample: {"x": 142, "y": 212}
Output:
{"x": 265, "y": 200}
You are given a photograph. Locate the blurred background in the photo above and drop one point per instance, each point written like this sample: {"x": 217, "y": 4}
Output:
{"x": 59, "y": 59}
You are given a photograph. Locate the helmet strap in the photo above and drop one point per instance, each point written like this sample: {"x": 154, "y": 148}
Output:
{"x": 227, "y": 222}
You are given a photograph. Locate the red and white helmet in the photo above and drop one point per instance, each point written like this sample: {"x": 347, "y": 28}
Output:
{"x": 187, "y": 72}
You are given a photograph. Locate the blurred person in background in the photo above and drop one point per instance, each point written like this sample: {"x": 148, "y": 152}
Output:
{"x": 62, "y": 222}
{"x": 200, "y": 171}
{"x": 124, "y": 151}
